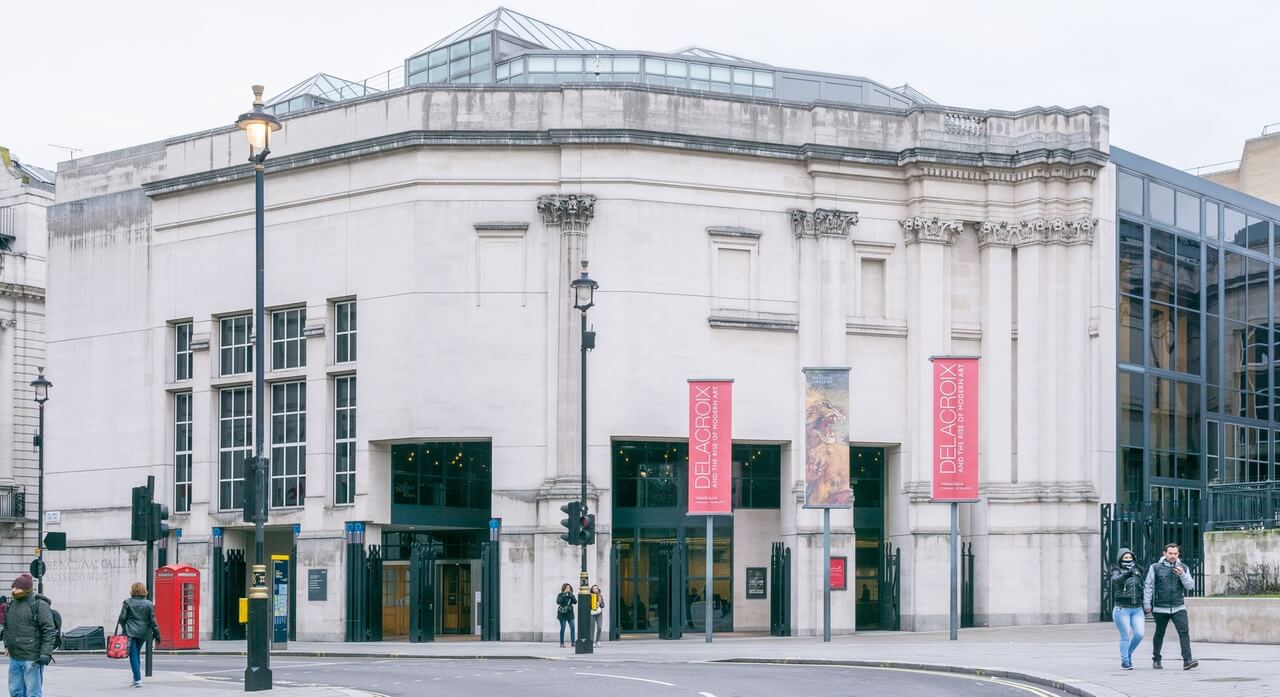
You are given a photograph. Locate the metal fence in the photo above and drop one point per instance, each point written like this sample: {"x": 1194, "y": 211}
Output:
{"x": 1245, "y": 505}
{"x": 13, "y": 503}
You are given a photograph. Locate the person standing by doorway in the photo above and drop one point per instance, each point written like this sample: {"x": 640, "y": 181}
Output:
{"x": 138, "y": 620}
{"x": 1126, "y": 592}
{"x": 1166, "y": 584}
{"x": 564, "y": 612}
{"x": 597, "y": 613}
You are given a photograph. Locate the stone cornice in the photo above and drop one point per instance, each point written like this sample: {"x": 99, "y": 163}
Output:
{"x": 1066, "y": 231}
{"x": 22, "y": 291}
{"x": 572, "y": 212}
{"x": 935, "y": 230}
{"x": 822, "y": 222}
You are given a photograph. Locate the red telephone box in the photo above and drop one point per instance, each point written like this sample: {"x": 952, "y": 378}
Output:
{"x": 178, "y": 606}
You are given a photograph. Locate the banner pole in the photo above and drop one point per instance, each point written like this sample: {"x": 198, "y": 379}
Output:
{"x": 826, "y": 574}
{"x": 955, "y": 550}
{"x": 706, "y": 592}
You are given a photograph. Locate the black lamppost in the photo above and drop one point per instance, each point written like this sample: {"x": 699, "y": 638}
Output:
{"x": 584, "y": 290}
{"x": 41, "y": 387}
{"x": 258, "y": 126}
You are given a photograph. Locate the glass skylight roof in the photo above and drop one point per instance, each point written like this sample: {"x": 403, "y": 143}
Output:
{"x": 325, "y": 86}
{"x": 700, "y": 52}
{"x": 522, "y": 27}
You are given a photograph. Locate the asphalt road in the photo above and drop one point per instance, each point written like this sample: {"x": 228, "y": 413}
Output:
{"x": 406, "y": 677}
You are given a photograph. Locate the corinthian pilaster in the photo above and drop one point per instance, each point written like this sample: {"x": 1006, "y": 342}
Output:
{"x": 1065, "y": 231}
{"x": 822, "y": 222}
{"x": 571, "y": 212}
{"x": 935, "y": 230}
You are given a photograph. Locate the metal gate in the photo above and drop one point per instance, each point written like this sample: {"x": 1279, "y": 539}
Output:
{"x": 672, "y": 589}
{"x": 490, "y": 591}
{"x": 890, "y": 587}
{"x": 780, "y": 590}
{"x": 422, "y": 590}
{"x": 966, "y": 584}
{"x": 615, "y": 579}
{"x": 229, "y": 579}
{"x": 1145, "y": 529}
{"x": 364, "y": 587}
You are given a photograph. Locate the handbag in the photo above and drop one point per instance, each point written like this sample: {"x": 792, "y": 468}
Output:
{"x": 118, "y": 646}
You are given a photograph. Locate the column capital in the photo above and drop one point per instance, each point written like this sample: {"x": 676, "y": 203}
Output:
{"x": 1018, "y": 233}
{"x": 572, "y": 212}
{"x": 822, "y": 222}
{"x": 934, "y": 230}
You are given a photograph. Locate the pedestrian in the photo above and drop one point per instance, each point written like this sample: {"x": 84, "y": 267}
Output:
{"x": 564, "y": 612}
{"x": 1166, "y": 583}
{"x": 28, "y": 638}
{"x": 1126, "y": 590}
{"x": 597, "y": 612}
{"x": 138, "y": 622}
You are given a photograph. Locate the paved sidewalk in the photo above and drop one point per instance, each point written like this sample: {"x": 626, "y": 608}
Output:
{"x": 77, "y": 682}
{"x": 1081, "y": 657}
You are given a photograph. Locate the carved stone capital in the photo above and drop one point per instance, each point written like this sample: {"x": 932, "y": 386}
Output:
{"x": 935, "y": 230}
{"x": 572, "y": 212}
{"x": 822, "y": 222}
{"x": 1037, "y": 231}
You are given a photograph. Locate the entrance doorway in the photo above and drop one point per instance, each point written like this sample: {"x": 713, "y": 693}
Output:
{"x": 455, "y": 597}
{"x": 640, "y": 573}
{"x": 395, "y": 601}
{"x": 866, "y": 467}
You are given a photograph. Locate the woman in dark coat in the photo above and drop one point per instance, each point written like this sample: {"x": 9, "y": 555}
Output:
{"x": 1126, "y": 591}
{"x": 564, "y": 612}
{"x": 138, "y": 622}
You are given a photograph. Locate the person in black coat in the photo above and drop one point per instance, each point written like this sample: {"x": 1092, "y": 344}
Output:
{"x": 1126, "y": 591}
{"x": 138, "y": 622}
{"x": 564, "y": 612}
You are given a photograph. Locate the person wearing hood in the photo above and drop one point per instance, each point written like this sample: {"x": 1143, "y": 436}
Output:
{"x": 1126, "y": 592}
{"x": 138, "y": 620}
{"x": 28, "y": 637}
{"x": 1162, "y": 593}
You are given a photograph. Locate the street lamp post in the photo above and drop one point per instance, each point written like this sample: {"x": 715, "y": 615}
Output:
{"x": 41, "y": 387}
{"x": 583, "y": 298}
{"x": 258, "y": 126}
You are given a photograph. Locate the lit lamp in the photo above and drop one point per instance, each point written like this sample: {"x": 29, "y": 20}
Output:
{"x": 258, "y": 126}
{"x": 584, "y": 290}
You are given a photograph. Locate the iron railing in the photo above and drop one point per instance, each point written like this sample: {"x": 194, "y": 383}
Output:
{"x": 13, "y": 503}
{"x": 1243, "y": 505}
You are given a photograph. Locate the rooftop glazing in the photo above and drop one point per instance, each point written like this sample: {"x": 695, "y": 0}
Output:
{"x": 508, "y": 48}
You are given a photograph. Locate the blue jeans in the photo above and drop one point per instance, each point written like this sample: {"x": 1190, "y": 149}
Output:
{"x": 1131, "y": 623}
{"x": 26, "y": 679}
{"x": 135, "y": 648}
{"x": 573, "y": 630}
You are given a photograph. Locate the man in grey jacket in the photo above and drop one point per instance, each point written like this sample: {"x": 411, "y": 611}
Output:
{"x": 1162, "y": 593}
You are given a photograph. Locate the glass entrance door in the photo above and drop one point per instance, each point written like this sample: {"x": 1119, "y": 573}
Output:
{"x": 395, "y": 601}
{"x": 639, "y": 593}
{"x": 455, "y": 598}
{"x": 866, "y": 466}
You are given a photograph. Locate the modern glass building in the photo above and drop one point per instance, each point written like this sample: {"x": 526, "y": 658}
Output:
{"x": 1198, "y": 429}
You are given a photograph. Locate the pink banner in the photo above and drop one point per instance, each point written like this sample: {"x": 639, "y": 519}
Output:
{"x": 955, "y": 429}
{"x": 710, "y": 447}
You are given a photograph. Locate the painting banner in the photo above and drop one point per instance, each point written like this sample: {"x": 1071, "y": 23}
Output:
{"x": 826, "y": 437}
{"x": 710, "y": 447}
{"x": 955, "y": 428}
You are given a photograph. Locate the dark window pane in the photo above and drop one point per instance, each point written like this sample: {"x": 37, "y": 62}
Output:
{"x": 1161, "y": 268}
{"x": 1233, "y": 227}
{"x": 1188, "y": 273}
{"x": 1131, "y": 264}
{"x": 1211, "y": 220}
{"x": 1187, "y": 342}
{"x": 1213, "y": 289}
{"x": 1131, "y": 316}
{"x": 1235, "y": 285}
{"x": 1258, "y": 235}
{"x": 1188, "y": 212}
{"x": 1163, "y": 336}
{"x": 1130, "y": 395}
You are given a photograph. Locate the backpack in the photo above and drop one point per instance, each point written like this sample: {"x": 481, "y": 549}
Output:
{"x": 57, "y": 626}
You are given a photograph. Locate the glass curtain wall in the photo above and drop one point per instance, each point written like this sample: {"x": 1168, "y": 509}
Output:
{"x": 1195, "y": 342}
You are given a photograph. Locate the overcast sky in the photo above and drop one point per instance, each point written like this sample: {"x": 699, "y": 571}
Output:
{"x": 1186, "y": 82}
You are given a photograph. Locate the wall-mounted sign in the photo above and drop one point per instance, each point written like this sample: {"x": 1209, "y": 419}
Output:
{"x": 317, "y": 584}
{"x": 757, "y": 583}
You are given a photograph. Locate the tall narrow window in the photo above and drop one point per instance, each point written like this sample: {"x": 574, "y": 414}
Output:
{"x": 235, "y": 443}
{"x": 288, "y": 348}
{"x": 235, "y": 346}
{"x": 344, "y": 439}
{"x": 182, "y": 351}
{"x": 182, "y": 451}
{"x": 288, "y": 443}
{"x": 345, "y": 332}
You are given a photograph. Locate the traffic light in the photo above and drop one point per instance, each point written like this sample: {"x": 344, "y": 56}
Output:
{"x": 572, "y": 522}
{"x": 587, "y": 529}
{"x": 139, "y": 527}
{"x": 157, "y": 528}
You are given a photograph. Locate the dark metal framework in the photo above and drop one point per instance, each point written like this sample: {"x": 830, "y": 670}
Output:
{"x": 780, "y": 590}
{"x": 966, "y": 584}
{"x": 1145, "y": 530}
{"x": 890, "y": 587}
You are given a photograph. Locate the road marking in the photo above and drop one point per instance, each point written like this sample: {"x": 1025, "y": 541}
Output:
{"x": 979, "y": 678}
{"x": 627, "y": 677}
{"x": 707, "y": 694}
{"x": 1029, "y": 688}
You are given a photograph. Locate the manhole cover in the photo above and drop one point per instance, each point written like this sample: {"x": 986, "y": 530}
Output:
{"x": 1228, "y": 680}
